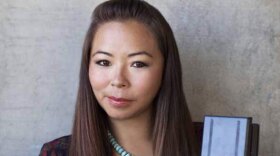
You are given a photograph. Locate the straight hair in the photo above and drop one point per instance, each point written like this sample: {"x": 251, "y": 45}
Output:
{"x": 172, "y": 131}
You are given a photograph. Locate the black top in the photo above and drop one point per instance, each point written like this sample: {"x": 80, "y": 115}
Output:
{"x": 60, "y": 146}
{"x": 57, "y": 147}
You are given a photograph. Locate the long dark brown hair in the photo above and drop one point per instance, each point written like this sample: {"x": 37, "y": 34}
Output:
{"x": 172, "y": 131}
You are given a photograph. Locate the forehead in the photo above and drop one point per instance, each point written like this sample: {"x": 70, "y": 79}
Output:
{"x": 124, "y": 35}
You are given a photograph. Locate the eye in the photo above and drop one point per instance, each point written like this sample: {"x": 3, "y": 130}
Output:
{"x": 139, "y": 64}
{"x": 103, "y": 63}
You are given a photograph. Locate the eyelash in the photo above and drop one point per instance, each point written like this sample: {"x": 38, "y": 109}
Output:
{"x": 137, "y": 64}
{"x": 103, "y": 63}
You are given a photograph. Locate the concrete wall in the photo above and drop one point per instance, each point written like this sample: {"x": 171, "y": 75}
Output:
{"x": 230, "y": 54}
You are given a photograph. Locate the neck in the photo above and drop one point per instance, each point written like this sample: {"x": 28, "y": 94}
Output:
{"x": 134, "y": 134}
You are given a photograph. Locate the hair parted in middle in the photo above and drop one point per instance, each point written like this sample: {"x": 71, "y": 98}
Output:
{"x": 172, "y": 129}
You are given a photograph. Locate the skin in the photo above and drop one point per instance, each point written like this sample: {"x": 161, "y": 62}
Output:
{"x": 127, "y": 63}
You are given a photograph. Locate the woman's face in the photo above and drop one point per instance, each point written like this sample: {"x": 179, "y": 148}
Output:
{"x": 125, "y": 69}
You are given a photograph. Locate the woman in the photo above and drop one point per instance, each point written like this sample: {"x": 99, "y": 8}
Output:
{"x": 130, "y": 97}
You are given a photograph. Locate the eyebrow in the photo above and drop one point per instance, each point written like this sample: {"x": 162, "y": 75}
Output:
{"x": 102, "y": 52}
{"x": 140, "y": 53}
{"x": 129, "y": 55}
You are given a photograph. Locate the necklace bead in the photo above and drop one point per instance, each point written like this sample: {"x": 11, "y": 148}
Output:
{"x": 119, "y": 149}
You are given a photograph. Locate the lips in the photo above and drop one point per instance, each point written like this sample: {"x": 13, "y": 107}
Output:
{"x": 119, "y": 102}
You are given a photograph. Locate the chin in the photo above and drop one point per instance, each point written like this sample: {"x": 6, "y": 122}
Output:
{"x": 127, "y": 113}
{"x": 118, "y": 116}
{"x": 121, "y": 115}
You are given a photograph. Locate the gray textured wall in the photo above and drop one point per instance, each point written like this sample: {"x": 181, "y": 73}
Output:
{"x": 230, "y": 54}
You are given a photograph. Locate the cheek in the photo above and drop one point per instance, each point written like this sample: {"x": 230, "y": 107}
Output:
{"x": 98, "y": 79}
{"x": 148, "y": 83}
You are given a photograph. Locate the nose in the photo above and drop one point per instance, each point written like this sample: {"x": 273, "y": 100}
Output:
{"x": 119, "y": 79}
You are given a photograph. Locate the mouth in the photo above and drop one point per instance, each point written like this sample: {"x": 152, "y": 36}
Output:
{"x": 118, "y": 102}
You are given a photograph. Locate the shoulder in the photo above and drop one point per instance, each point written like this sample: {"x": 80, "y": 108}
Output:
{"x": 57, "y": 147}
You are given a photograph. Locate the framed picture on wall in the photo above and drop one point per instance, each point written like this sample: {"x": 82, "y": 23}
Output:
{"x": 226, "y": 136}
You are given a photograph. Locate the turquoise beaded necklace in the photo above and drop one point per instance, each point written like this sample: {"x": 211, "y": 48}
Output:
{"x": 118, "y": 148}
